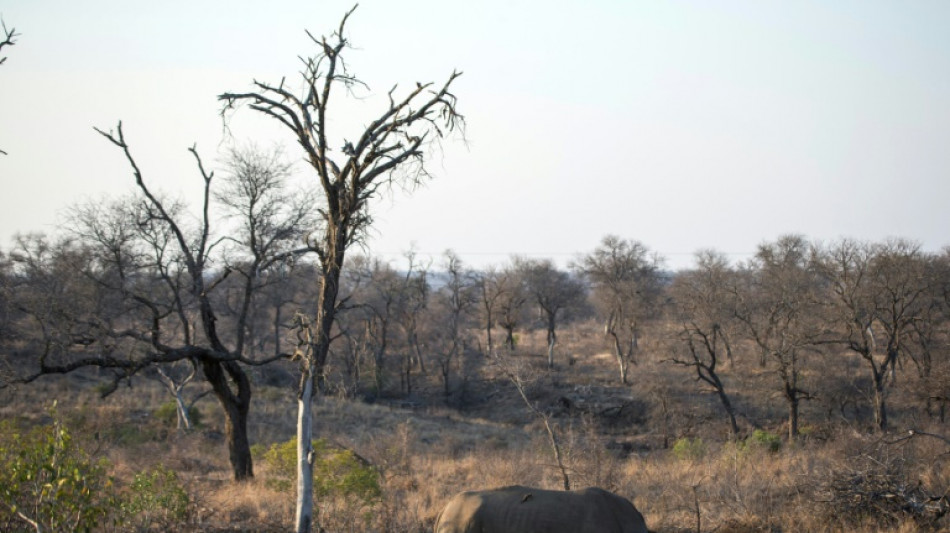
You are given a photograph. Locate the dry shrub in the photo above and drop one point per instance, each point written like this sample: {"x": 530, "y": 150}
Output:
{"x": 729, "y": 488}
{"x": 887, "y": 484}
{"x": 248, "y": 504}
{"x": 591, "y": 462}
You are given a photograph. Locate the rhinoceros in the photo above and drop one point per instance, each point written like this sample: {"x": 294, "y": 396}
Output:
{"x": 519, "y": 509}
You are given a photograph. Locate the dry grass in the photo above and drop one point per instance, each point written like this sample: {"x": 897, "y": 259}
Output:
{"x": 619, "y": 438}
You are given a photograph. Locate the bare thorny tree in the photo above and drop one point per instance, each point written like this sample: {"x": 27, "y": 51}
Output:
{"x": 878, "y": 294}
{"x": 9, "y": 36}
{"x": 702, "y": 306}
{"x": 553, "y": 291}
{"x": 391, "y": 148}
{"x": 146, "y": 254}
{"x": 776, "y": 306}
{"x": 625, "y": 277}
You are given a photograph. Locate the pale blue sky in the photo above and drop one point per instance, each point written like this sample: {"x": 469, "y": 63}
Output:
{"x": 681, "y": 124}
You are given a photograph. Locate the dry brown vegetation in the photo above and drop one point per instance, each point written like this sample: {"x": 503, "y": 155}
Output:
{"x": 662, "y": 441}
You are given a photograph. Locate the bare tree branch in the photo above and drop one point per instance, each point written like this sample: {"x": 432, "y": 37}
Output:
{"x": 9, "y": 38}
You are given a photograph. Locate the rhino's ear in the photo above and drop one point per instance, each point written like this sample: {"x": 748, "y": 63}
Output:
{"x": 526, "y": 497}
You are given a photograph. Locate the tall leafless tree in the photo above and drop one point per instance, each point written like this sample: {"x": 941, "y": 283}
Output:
{"x": 501, "y": 295}
{"x": 902, "y": 280}
{"x": 777, "y": 306}
{"x": 879, "y": 292}
{"x": 625, "y": 278}
{"x": 511, "y": 298}
{"x": 392, "y": 147}
{"x": 154, "y": 274}
{"x": 491, "y": 287}
{"x": 846, "y": 267}
{"x": 702, "y": 303}
{"x": 267, "y": 219}
{"x": 454, "y": 303}
{"x": 553, "y": 291}
{"x": 412, "y": 305}
{"x": 378, "y": 290}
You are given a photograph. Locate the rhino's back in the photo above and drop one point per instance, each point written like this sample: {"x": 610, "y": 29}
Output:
{"x": 518, "y": 509}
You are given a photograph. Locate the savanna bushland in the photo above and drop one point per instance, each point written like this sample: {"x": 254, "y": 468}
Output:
{"x": 157, "y": 358}
{"x": 804, "y": 390}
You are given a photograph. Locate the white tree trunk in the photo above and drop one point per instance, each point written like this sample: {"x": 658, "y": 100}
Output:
{"x": 184, "y": 422}
{"x": 304, "y": 517}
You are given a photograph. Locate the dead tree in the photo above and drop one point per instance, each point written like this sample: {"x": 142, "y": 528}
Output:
{"x": 391, "y": 148}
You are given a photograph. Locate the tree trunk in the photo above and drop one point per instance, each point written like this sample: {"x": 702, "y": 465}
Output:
{"x": 312, "y": 371}
{"x": 378, "y": 377}
{"x": 618, "y": 351}
{"x": 445, "y": 365}
{"x": 552, "y": 340}
{"x": 239, "y": 447}
{"x": 413, "y": 340}
{"x": 276, "y": 323}
{"x": 408, "y": 373}
{"x": 235, "y": 409}
{"x": 733, "y": 424}
{"x": 623, "y": 369}
{"x": 510, "y": 338}
{"x": 304, "y": 515}
{"x": 880, "y": 401}
{"x": 329, "y": 287}
{"x": 184, "y": 421}
{"x": 792, "y": 418}
{"x": 712, "y": 378}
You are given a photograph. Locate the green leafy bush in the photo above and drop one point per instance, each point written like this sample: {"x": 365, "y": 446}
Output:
{"x": 345, "y": 488}
{"x": 258, "y": 451}
{"x": 761, "y": 439}
{"x": 335, "y": 471}
{"x": 687, "y": 448}
{"x": 156, "y": 496}
{"x": 48, "y": 482}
